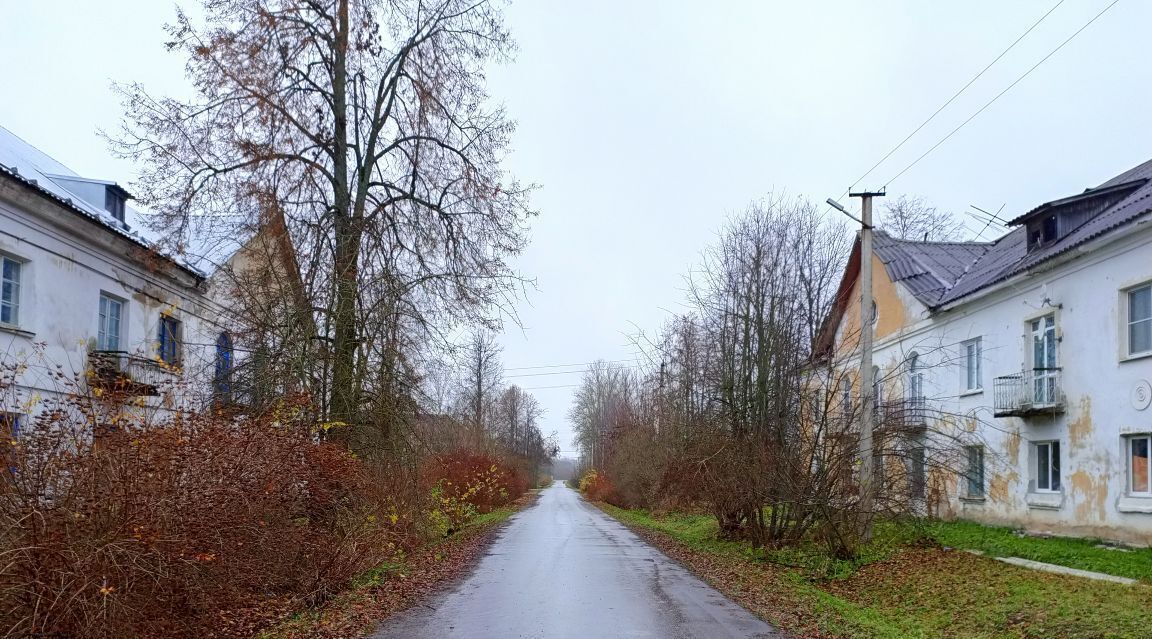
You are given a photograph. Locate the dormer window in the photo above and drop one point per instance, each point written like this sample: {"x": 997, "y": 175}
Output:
{"x": 114, "y": 203}
{"x": 1043, "y": 231}
{"x": 1052, "y": 221}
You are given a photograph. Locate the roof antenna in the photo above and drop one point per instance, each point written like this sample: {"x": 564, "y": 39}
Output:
{"x": 925, "y": 236}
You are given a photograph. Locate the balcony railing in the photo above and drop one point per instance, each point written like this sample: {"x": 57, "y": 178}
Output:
{"x": 123, "y": 373}
{"x": 910, "y": 413}
{"x": 1033, "y": 391}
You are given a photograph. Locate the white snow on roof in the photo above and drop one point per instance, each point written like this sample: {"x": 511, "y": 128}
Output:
{"x": 50, "y": 175}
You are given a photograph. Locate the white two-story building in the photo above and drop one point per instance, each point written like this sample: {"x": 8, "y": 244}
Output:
{"x": 88, "y": 306}
{"x": 1019, "y": 370}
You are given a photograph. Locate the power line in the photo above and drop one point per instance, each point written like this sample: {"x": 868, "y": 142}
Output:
{"x": 547, "y": 387}
{"x": 998, "y": 95}
{"x": 575, "y": 372}
{"x": 610, "y": 361}
{"x": 957, "y": 94}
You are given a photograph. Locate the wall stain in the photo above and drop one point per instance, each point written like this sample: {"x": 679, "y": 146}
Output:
{"x": 893, "y": 315}
{"x": 1093, "y": 495}
{"x": 1012, "y": 447}
{"x": 1080, "y": 430}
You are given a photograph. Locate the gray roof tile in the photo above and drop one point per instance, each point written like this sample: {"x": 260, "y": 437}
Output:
{"x": 939, "y": 273}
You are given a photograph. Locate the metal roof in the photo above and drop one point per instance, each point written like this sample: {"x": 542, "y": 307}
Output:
{"x": 24, "y": 163}
{"x": 927, "y": 269}
{"x": 939, "y": 273}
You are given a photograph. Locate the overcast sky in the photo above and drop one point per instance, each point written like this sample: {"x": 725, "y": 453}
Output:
{"x": 647, "y": 123}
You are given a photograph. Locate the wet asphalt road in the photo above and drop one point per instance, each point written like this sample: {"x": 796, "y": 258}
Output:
{"x": 564, "y": 569}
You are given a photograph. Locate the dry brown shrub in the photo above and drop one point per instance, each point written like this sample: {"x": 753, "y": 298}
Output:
{"x": 200, "y": 525}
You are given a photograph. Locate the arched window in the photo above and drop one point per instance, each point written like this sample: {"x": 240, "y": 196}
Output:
{"x": 224, "y": 363}
{"x": 915, "y": 377}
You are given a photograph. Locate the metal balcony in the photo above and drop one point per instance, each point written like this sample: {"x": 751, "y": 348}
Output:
{"x": 1034, "y": 391}
{"x": 125, "y": 374}
{"x": 908, "y": 414}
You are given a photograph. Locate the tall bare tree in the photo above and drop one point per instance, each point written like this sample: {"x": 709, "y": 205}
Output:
{"x": 912, "y": 218}
{"x": 364, "y": 123}
{"x": 481, "y": 382}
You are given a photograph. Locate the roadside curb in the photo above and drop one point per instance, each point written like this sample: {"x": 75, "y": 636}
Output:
{"x": 1064, "y": 570}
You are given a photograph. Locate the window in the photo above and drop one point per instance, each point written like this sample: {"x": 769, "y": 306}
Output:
{"x": 915, "y": 379}
{"x": 108, "y": 333}
{"x": 1140, "y": 320}
{"x": 168, "y": 340}
{"x": 975, "y": 474}
{"x": 846, "y": 396}
{"x": 1048, "y": 466}
{"x": 1139, "y": 448}
{"x": 970, "y": 353}
{"x": 916, "y": 478}
{"x": 10, "y": 425}
{"x": 10, "y": 299}
{"x": 877, "y": 390}
{"x": 1044, "y": 361}
{"x": 223, "y": 374}
{"x": 1049, "y": 229}
{"x": 1042, "y": 232}
{"x": 114, "y": 204}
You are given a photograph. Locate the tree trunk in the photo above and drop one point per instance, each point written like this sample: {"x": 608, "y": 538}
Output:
{"x": 347, "y": 239}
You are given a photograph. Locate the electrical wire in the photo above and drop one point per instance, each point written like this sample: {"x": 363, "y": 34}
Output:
{"x": 610, "y": 361}
{"x": 574, "y": 372}
{"x": 998, "y": 95}
{"x": 957, "y": 94}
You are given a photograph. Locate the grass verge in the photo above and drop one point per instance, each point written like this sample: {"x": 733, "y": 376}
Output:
{"x": 1085, "y": 554}
{"x": 396, "y": 586}
{"x": 899, "y": 591}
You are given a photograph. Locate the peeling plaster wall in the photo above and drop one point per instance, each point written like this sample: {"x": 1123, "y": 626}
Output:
{"x": 66, "y": 268}
{"x": 1085, "y": 295}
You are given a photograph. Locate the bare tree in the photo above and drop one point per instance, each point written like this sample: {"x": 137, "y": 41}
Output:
{"x": 481, "y": 382}
{"x": 912, "y": 218}
{"x": 364, "y": 123}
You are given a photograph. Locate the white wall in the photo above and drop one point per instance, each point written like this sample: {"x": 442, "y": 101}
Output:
{"x": 68, "y": 262}
{"x": 1085, "y": 294}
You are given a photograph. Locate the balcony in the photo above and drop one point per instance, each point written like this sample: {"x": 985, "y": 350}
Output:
{"x": 1035, "y": 391}
{"x": 123, "y": 374}
{"x": 908, "y": 414}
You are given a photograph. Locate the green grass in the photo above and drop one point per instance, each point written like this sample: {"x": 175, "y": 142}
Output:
{"x": 1073, "y": 553}
{"x": 498, "y": 515}
{"x": 896, "y": 590}
{"x": 831, "y": 613}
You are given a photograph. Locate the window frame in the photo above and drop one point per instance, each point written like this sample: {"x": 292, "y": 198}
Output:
{"x": 967, "y": 361}
{"x": 1126, "y": 321}
{"x": 13, "y": 424}
{"x": 101, "y": 326}
{"x": 1129, "y": 487}
{"x": 1050, "y": 445}
{"x": 915, "y": 381}
{"x": 975, "y": 472}
{"x": 18, "y": 286}
{"x": 114, "y": 204}
{"x": 1045, "y": 389}
{"x": 161, "y": 344}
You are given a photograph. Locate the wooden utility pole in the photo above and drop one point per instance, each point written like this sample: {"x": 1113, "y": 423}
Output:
{"x": 867, "y": 318}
